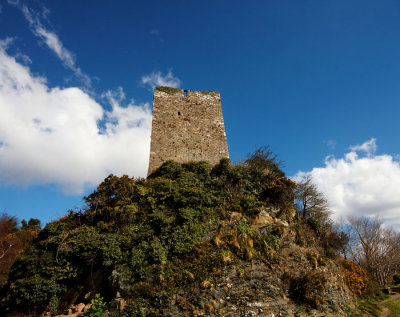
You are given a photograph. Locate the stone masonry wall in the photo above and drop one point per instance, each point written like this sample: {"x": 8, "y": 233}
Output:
{"x": 187, "y": 126}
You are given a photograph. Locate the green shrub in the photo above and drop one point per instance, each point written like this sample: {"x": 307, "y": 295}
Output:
{"x": 98, "y": 307}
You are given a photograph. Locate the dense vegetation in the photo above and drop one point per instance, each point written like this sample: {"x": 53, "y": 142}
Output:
{"x": 137, "y": 234}
{"x": 144, "y": 240}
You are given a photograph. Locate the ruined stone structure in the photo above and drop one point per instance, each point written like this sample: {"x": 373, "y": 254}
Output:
{"x": 187, "y": 126}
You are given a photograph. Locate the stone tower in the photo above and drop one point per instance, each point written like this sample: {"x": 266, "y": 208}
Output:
{"x": 187, "y": 126}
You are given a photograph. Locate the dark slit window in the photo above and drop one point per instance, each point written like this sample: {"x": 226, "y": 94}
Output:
{"x": 179, "y": 113}
{"x": 185, "y": 93}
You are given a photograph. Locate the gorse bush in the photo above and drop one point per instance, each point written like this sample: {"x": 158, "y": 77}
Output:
{"x": 281, "y": 192}
{"x": 356, "y": 276}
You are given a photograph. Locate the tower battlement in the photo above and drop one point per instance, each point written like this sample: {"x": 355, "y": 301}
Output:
{"x": 187, "y": 126}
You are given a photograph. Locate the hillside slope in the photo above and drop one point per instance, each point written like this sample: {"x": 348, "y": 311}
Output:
{"x": 191, "y": 240}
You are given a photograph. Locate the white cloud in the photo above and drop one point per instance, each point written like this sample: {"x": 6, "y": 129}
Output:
{"x": 368, "y": 147}
{"x": 359, "y": 185}
{"x": 51, "y": 39}
{"x": 51, "y": 135}
{"x": 156, "y": 78}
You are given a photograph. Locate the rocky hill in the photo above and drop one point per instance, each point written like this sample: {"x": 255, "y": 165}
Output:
{"x": 191, "y": 240}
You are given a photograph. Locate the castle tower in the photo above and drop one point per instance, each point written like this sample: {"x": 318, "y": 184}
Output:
{"x": 187, "y": 126}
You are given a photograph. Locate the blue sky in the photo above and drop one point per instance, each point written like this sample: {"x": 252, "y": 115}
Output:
{"x": 317, "y": 81}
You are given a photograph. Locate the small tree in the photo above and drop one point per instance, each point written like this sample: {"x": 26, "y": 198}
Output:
{"x": 33, "y": 224}
{"x": 263, "y": 160}
{"x": 310, "y": 202}
{"x": 314, "y": 208}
